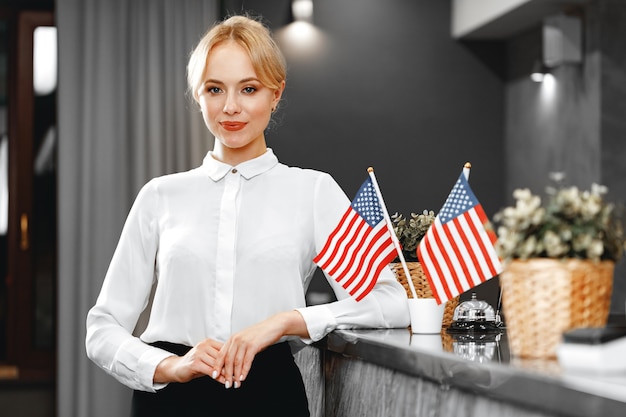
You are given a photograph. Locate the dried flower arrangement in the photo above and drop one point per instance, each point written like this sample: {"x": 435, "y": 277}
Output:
{"x": 573, "y": 223}
{"x": 411, "y": 231}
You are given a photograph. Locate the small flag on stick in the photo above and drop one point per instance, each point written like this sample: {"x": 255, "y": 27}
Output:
{"x": 457, "y": 253}
{"x": 360, "y": 246}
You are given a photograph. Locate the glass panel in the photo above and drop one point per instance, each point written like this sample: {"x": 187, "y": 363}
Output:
{"x": 43, "y": 223}
{"x": 4, "y": 191}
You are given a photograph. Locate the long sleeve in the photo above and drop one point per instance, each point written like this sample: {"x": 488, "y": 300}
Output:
{"x": 384, "y": 307}
{"x": 221, "y": 248}
{"x": 124, "y": 295}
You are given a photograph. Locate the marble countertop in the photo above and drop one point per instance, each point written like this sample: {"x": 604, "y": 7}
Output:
{"x": 488, "y": 369}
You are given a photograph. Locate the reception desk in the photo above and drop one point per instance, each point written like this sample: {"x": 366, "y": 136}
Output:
{"x": 396, "y": 373}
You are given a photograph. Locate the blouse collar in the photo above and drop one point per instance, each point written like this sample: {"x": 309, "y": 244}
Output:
{"x": 248, "y": 169}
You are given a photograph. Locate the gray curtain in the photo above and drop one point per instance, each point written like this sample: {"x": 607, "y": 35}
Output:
{"x": 124, "y": 117}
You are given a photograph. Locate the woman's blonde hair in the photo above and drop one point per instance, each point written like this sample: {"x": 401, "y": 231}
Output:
{"x": 267, "y": 59}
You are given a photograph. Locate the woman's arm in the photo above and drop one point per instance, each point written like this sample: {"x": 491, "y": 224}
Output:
{"x": 234, "y": 359}
{"x": 125, "y": 292}
{"x": 199, "y": 361}
{"x": 384, "y": 307}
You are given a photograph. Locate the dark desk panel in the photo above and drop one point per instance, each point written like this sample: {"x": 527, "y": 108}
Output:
{"x": 395, "y": 373}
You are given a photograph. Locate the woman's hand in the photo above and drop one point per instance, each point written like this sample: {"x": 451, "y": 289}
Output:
{"x": 234, "y": 359}
{"x": 199, "y": 361}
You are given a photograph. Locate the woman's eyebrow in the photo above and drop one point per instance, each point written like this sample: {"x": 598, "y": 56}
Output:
{"x": 245, "y": 80}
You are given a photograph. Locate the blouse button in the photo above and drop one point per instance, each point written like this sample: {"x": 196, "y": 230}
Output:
{"x": 234, "y": 171}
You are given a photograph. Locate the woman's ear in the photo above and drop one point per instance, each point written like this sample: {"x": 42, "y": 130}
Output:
{"x": 278, "y": 93}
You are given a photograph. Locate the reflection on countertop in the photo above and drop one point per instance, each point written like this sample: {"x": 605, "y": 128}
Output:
{"x": 484, "y": 365}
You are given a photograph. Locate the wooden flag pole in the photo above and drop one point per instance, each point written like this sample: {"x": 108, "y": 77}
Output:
{"x": 394, "y": 238}
{"x": 466, "y": 170}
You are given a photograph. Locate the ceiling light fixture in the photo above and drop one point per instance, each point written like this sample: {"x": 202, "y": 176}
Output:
{"x": 539, "y": 72}
{"x": 302, "y": 10}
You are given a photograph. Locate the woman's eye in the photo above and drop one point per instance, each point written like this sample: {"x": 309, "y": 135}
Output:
{"x": 213, "y": 90}
{"x": 249, "y": 90}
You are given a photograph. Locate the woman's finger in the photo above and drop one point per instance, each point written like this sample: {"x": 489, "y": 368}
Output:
{"x": 229, "y": 358}
{"x": 240, "y": 364}
{"x": 246, "y": 365}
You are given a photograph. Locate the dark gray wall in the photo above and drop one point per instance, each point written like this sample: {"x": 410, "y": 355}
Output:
{"x": 578, "y": 127}
{"x": 608, "y": 26}
{"x": 387, "y": 86}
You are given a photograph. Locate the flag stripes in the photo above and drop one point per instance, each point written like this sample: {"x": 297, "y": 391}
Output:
{"x": 355, "y": 252}
{"x": 458, "y": 254}
{"x": 360, "y": 246}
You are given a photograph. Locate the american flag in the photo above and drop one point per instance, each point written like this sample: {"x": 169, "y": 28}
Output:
{"x": 360, "y": 246}
{"x": 457, "y": 253}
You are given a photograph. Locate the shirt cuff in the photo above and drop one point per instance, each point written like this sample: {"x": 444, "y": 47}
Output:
{"x": 136, "y": 362}
{"x": 319, "y": 322}
{"x": 146, "y": 366}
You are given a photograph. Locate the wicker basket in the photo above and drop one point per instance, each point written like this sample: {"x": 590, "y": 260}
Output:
{"x": 543, "y": 298}
{"x": 422, "y": 288}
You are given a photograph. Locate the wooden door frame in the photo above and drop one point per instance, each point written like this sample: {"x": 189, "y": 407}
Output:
{"x": 32, "y": 364}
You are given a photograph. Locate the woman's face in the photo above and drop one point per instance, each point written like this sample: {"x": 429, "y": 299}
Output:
{"x": 236, "y": 107}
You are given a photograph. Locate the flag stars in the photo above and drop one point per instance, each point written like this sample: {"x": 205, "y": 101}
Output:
{"x": 367, "y": 205}
{"x": 460, "y": 200}
{"x": 458, "y": 255}
{"x": 361, "y": 232}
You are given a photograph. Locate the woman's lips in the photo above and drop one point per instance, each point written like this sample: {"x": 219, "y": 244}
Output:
{"x": 233, "y": 126}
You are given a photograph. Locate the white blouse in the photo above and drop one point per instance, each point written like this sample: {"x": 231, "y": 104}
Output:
{"x": 227, "y": 247}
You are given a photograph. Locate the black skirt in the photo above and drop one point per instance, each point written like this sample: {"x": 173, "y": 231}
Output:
{"x": 273, "y": 387}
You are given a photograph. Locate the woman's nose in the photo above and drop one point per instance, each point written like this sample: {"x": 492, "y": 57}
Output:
{"x": 231, "y": 105}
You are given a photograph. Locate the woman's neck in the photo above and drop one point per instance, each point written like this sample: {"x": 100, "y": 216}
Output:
{"x": 236, "y": 156}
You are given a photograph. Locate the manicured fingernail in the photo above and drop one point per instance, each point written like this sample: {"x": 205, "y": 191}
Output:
{"x": 241, "y": 378}
{"x": 227, "y": 384}
{"x": 214, "y": 375}
{"x": 236, "y": 384}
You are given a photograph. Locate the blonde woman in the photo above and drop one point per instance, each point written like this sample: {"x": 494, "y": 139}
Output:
{"x": 230, "y": 246}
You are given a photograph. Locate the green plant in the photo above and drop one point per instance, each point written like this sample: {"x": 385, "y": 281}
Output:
{"x": 573, "y": 223}
{"x": 411, "y": 231}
